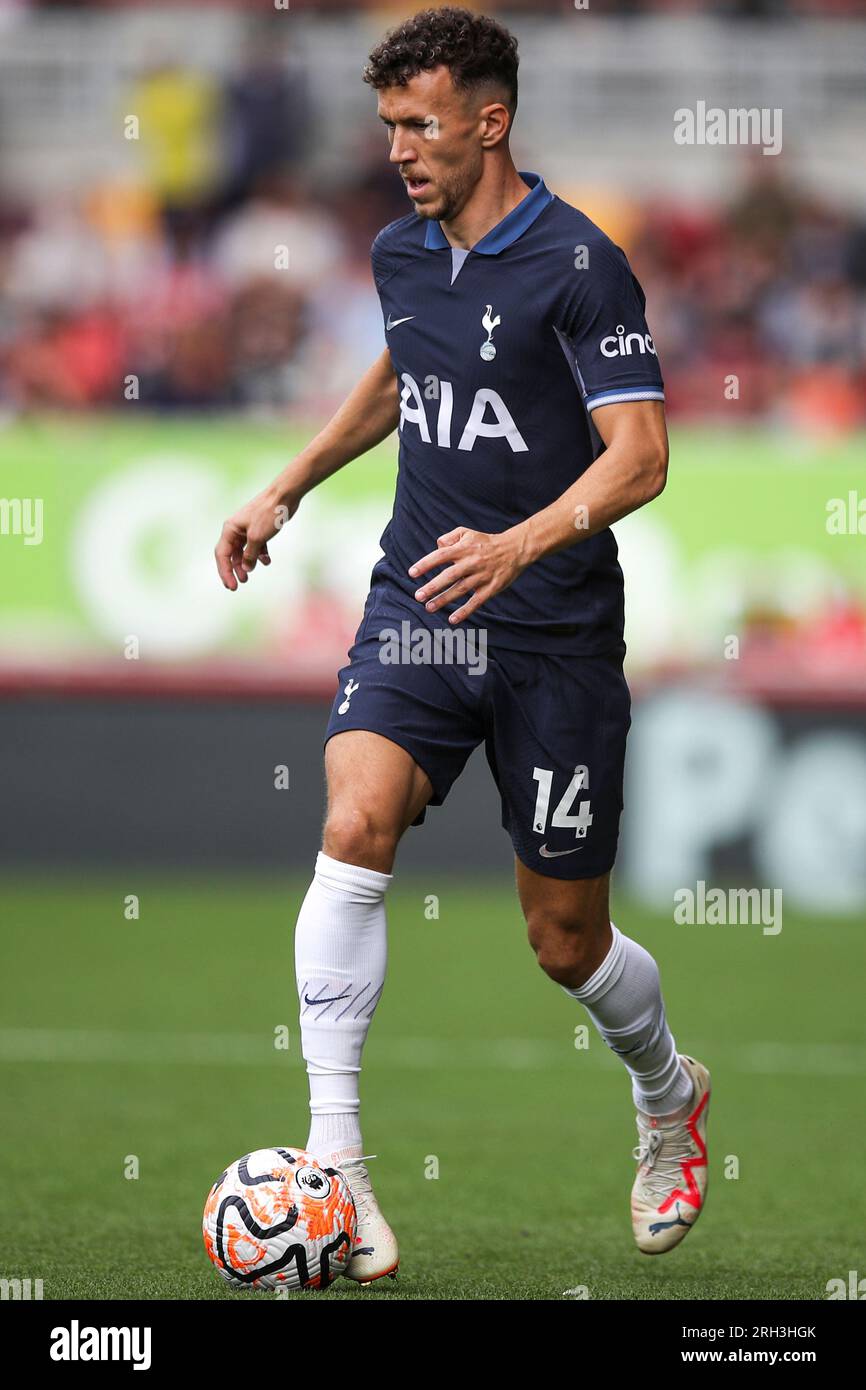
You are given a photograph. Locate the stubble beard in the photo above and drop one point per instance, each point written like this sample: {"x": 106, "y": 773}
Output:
{"x": 455, "y": 190}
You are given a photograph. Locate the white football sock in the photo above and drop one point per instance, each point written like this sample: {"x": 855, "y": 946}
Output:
{"x": 340, "y": 957}
{"x": 624, "y": 1000}
{"x": 333, "y": 1134}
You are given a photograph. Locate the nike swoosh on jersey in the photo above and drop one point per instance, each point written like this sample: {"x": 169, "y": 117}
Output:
{"x": 555, "y": 853}
{"x": 392, "y": 323}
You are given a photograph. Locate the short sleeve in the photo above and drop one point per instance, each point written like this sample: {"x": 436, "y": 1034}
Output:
{"x": 380, "y": 261}
{"x": 604, "y": 333}
{"x": 386, "y": 254}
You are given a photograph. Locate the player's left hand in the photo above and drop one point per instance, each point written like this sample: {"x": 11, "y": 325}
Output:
{"x": 477, "y": 563}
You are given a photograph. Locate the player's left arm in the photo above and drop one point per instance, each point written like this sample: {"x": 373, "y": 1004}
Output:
{"x": 630, "y": 472}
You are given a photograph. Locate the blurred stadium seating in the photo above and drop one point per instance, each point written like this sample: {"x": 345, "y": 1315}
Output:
{"x": 257, "y": 134}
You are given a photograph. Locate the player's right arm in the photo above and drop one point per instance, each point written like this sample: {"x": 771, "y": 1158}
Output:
{"x": 367, "y": 416}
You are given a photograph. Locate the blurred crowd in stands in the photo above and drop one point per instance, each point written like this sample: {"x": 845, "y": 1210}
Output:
{"x": 222, "y": 276}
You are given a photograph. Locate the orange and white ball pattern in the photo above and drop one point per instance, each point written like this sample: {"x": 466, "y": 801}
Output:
{"x": 277, "y": 1218}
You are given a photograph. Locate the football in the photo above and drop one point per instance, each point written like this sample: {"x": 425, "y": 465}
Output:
{"x": 277, "y": 1219}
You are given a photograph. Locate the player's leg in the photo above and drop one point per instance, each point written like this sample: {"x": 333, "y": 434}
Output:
{"x": 398, "y": 735}
{"x": 558, "y": 751}
{"x": 614, "y": 977}
{"x": 568, "y": 923}
{"x": 617, "y": 981}
{"x": 375, "y": 790}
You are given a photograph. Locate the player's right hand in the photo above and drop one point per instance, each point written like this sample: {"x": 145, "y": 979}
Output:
{"x": 244, "y": 539}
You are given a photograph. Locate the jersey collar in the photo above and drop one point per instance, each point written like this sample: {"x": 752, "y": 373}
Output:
{"x": 512, "y": 226}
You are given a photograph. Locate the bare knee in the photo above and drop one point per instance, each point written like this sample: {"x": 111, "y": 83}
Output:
{"x": 356, "y": 835}
{"x": 569, "y": 945}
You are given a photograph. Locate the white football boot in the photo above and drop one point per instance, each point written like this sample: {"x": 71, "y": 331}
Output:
{"x": 671, "y": 1183}
{"x": 375, "y": 1253}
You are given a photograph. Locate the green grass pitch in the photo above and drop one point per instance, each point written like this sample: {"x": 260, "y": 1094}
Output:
{"x": 154, "y": 1038}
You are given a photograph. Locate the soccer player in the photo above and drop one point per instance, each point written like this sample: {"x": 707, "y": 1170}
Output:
{"x": 526, "y": 387}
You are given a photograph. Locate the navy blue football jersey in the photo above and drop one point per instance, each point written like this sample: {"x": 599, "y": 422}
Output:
{"x": 501, "y": 355}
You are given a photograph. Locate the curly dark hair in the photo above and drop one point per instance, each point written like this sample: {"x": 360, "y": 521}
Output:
{"x": 475, "y": 49}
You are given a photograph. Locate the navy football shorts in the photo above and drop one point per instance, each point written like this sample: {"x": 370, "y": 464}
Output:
{"x": 554, "y": 729}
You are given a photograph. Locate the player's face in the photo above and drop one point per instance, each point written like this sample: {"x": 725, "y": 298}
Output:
{"x": 434, "y": 131}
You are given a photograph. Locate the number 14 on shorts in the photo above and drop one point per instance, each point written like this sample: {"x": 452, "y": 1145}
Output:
{"x": 562, "y": 816}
